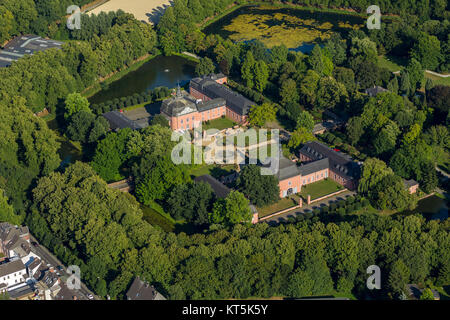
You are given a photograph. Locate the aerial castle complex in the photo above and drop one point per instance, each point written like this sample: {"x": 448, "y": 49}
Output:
{"x": 208, "y": 99}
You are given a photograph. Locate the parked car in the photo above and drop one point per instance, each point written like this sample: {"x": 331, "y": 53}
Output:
{"x": 35, "y": 244}
{"x": 90, "y": 297}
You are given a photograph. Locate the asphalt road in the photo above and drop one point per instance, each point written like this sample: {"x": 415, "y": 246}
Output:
{"x": 49, "y": 258}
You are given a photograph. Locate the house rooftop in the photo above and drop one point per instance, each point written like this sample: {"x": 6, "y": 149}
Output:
{"x": 141, "y": 290}
{"x": 315, "y": 166}
{"x": 235, "y": 101}
{"x": 410, "y": 183}
{"x": 25, "y": 45}
{"x": 218, "y": 187}
{"x": 338, "y": 162}
{"x": 118, "y": 120}
{"x": 11, "y": 267}
{"x": 375, "y": 90}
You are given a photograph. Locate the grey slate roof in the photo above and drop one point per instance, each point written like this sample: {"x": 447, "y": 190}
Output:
{"x": 11, "y": 267}
{"x": 218, "y": 187}
{"x": 211, "y": 104}
{"x": 25, "y": 45}
{"x": 118, "y": 120}
{"x": 177, "y": 105}
{"x": 375, "y": 90}
{"x": 339, "y": 163}
{"x": 314, "y": 166}
{"x": 141, "y": 290}
{"x": 287, "y": 169}
{"x": 235, "y": 101}
{"x": 410, "y": 183}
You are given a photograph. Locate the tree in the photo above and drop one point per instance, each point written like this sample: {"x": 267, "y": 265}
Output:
{"x": 261, "y": 75}
{"x": 236, "y": 209}
{"x": 391, "y": 193}
{"x": 159, "y": 119}
{"x": 308, "y": 88}
{"x": 330, "y": 94}
{"x": 320, "y": 62}
{"x": 305, "y": 120}
{"x": 204, "y": 66}
{"x": 427, "y": 294}
{"x": 373, "y": 171}
{"x": 405, "y": 83}
{"x": 247, "y": 70}
{"x": 386, "y": 139}
{"x": 300, "y": 136}
{"x": 398, "y": 277}
{"x": 86, "y": 127}
{"x": 111, "y": 154}
{"x": 428, "y": 178}
{"x": 427, "y": 51}
{"x": 156, "y": 176}
{"x": 355, "y": 130}
{"x": 288, "y": 92}
{"x": 259, "y": 115}
{"x": 191, "y": 202}
{"x": 75, "y": 102}
{"x": 261, "y": 190}
{"x": 416, "y": 74}
{"x": 7, "y": 212}
{"x": 6, "y": 24}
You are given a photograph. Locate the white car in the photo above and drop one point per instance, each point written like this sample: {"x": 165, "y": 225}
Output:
{"x": 90, "y": 297}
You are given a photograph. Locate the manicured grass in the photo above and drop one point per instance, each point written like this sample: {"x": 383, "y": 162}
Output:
{"x": 282, "y": 204}
{"x": 219, "y": 124}
{"x": 155, "y": 218}
{"x": 438, "y": 80}
{"x": 388, "y": 63}
{"x": 212, "y": 169}
{"x": 320, "y": 189}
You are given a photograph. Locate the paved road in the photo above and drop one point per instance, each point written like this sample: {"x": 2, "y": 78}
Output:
{"x": 308, "y": 208}
{"x": 49, "y": 258}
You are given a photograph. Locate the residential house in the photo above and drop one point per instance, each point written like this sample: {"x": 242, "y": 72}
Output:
{"x": 341, "y": 168}
{"x": 15, "y": 243}
{"x": 185, "y": 112}
{"x": 411, "y": 185}
{"x": 375, "y": 90}
{"x": 141, "y": 290}
{"x": 13, "y": 274}
{"x": 213, "y": 87}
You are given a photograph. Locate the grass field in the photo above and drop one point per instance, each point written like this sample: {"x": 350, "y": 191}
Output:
{"x": 282, "y": 204}
{"x": 212, "y": 169}
{"x": 320, "y": 189}
{"x": 396, "y": 64}
{"x": 219, "y": 124}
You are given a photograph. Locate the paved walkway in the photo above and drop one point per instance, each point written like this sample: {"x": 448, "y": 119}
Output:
{"x": 308, "y": 208}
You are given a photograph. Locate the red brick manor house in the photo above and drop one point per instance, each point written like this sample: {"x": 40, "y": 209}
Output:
{"x": 208, "y": 99}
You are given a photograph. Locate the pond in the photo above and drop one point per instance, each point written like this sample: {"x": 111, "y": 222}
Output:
{"x": 432, "y": 207}
{"x": 161, "y": 71}
{"x": 298, "y": 29}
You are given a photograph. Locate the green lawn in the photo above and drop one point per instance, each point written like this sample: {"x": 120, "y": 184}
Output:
{"x": 320, "y": 189}
{"x": 212, "y": 169}
{"x": 390, "y": 64}
{"x": 282, "y": 204}
{"x": 155, "y": 218}
{"x": 219, "y": 124}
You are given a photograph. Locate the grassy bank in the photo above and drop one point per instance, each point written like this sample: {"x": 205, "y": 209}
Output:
{"x": 89, "y": 92}
{"x": 320, "y": 189}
